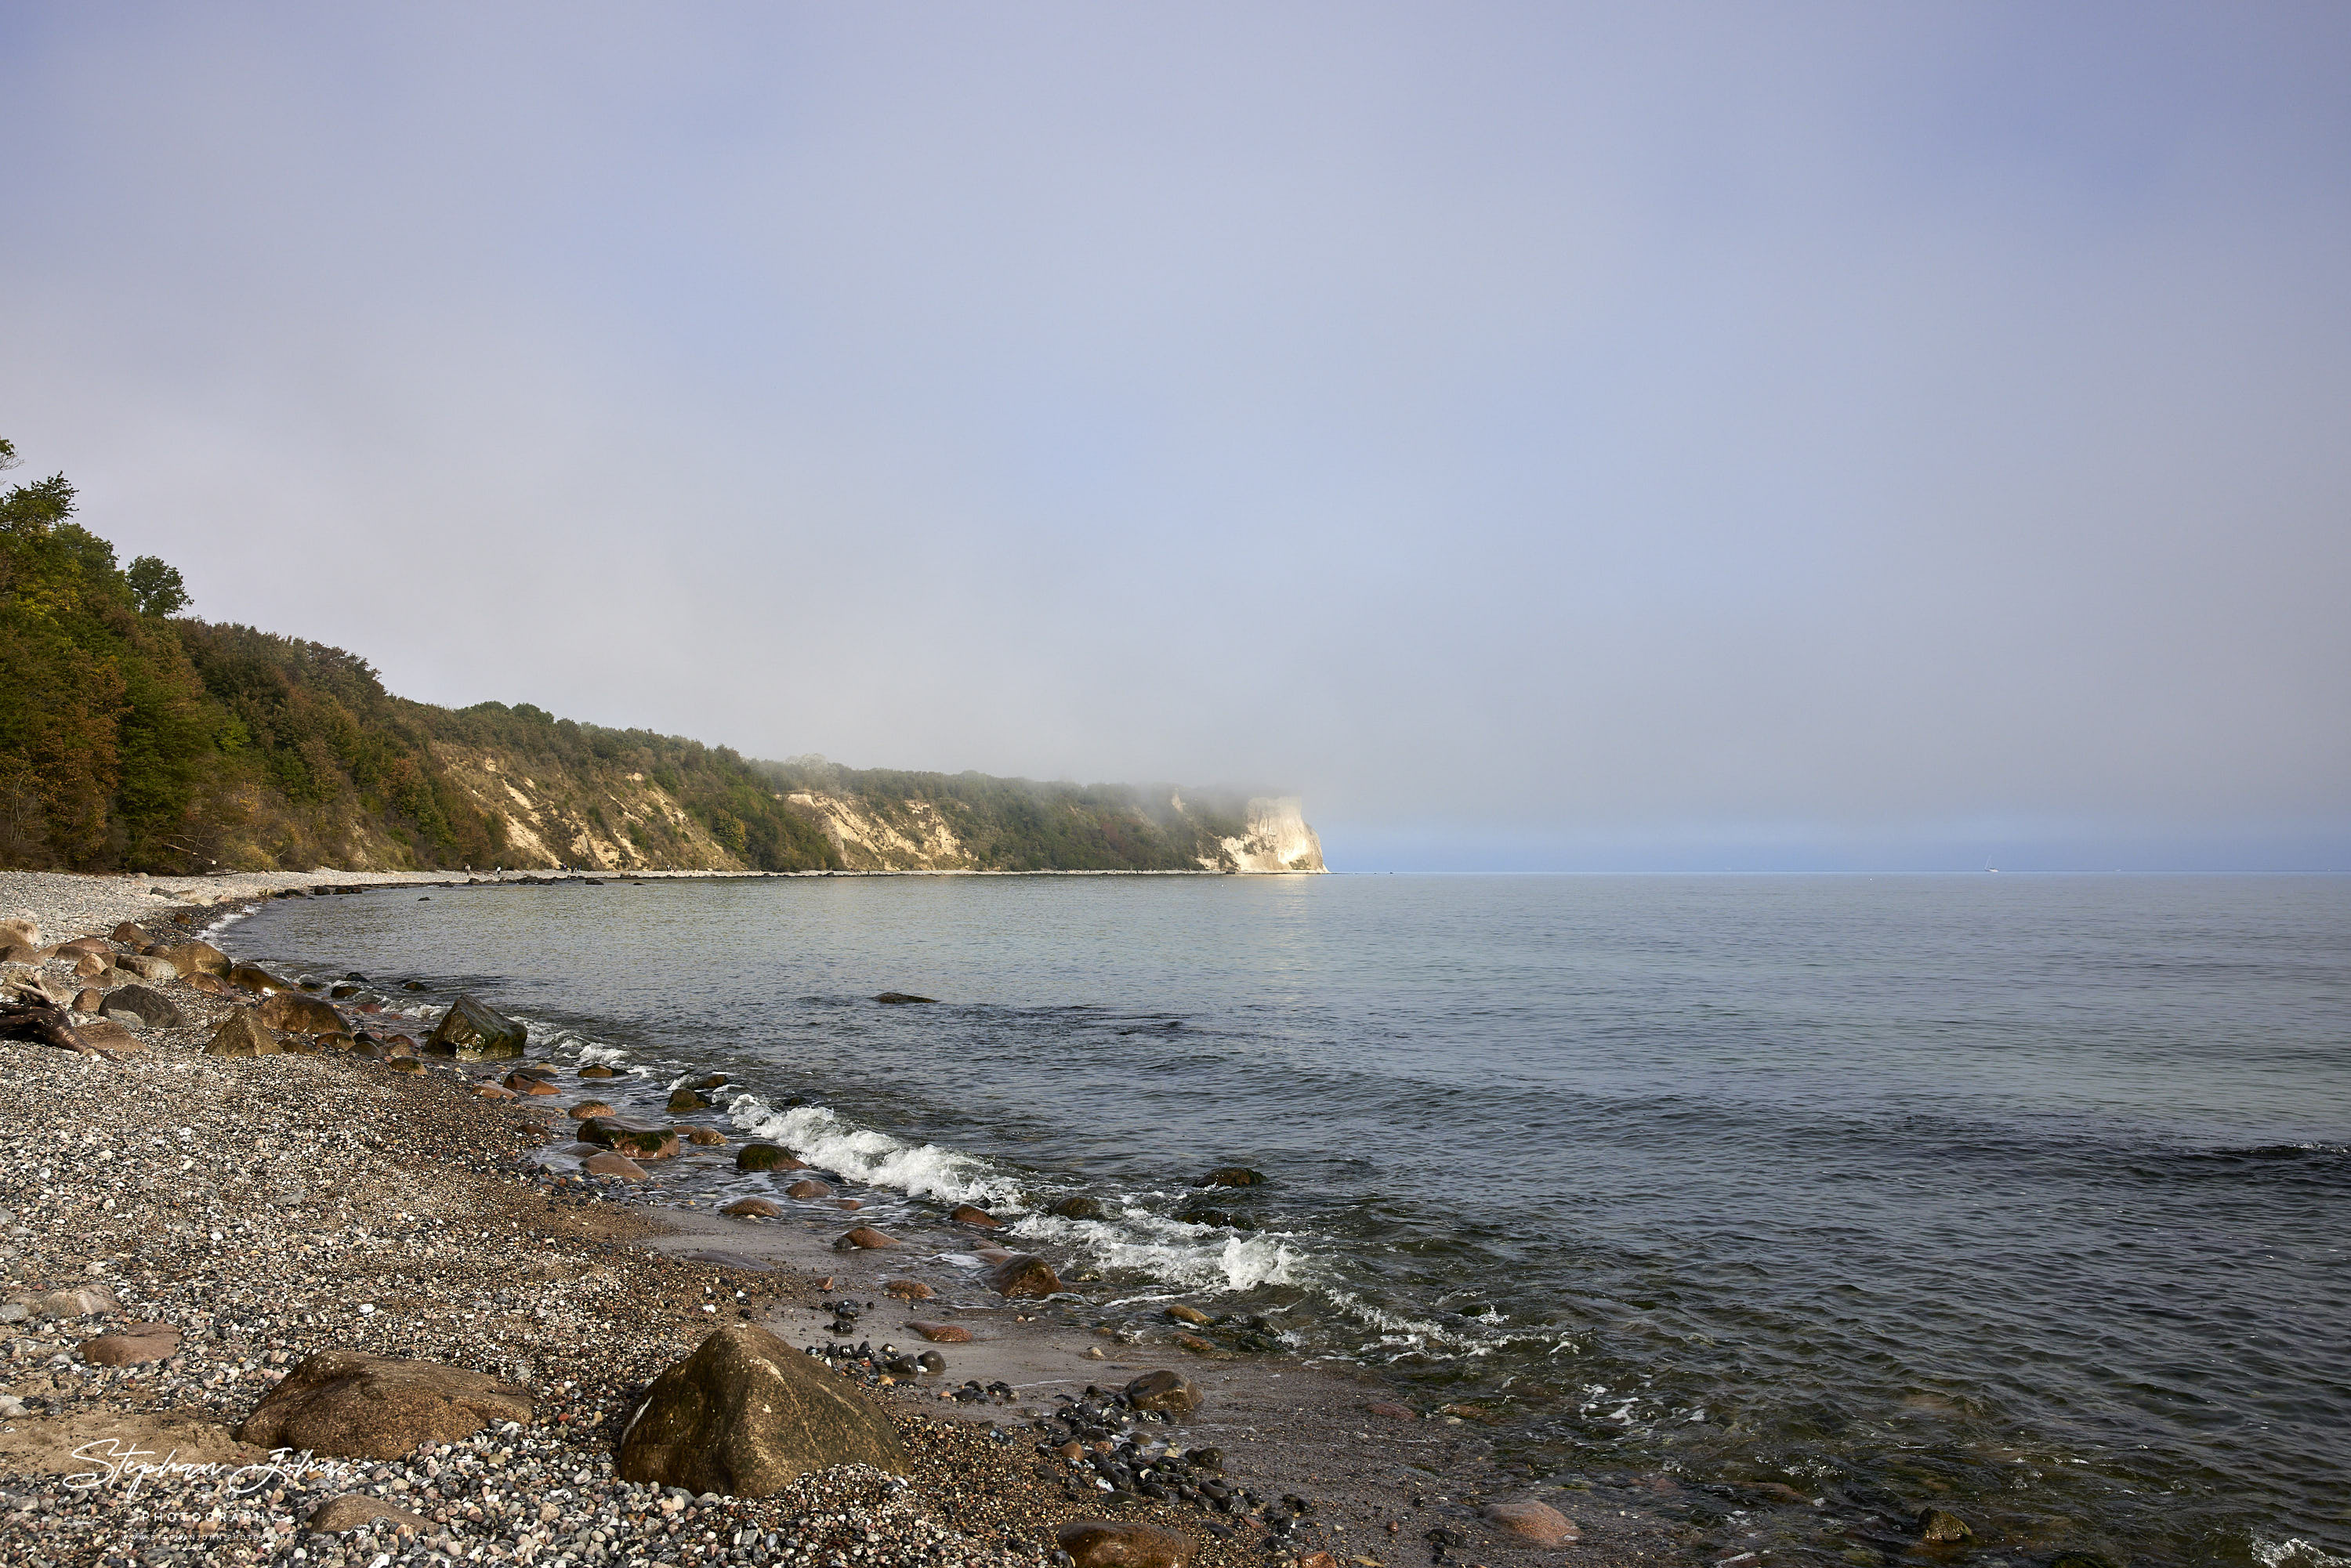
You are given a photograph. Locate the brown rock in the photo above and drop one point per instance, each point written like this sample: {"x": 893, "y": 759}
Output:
{"x": 608, "y": 1164}
{"x": 1196, "y": 1344}
{"x": 105, "y": 1034}
{"x": 865, "y": 1236}
{"x": 475, "y": 1031}
{"x": 1942, "y": 1527}
{"x": 1536, "y": 1521}
{"x": 847, "y": 1205}
{"x": 1392, "y": 1410}
{"x": 143, "y": 1005}
{"x": 19, "y": 934}
{"x": 80, "y": 1302}
{"x": 1233, "y": 1175}
{"x": 755, "y": 1208}
{"x": 767, "y": 1157}
{"x": 806, "y": 1190}
{"x": 495, "y": 1092}
{"x": 89, "y": 1000}
{"x": 702, "y": 1137}
{"x": 79, "y": 946}
{"x": 1181, "y": 1314}
{"x": 942, "y": 1333}
{"x": 682, "y": 1101}
{"x": 407, "y": 1064}
{"x": 131, "y": 937}
{"x": 746, "y": 1415}
{"x": 211, "y": 985}
{"x": 599, "y": 1071}
{"x": 1024, "y": 1276}
{"x": 1168, "y": 1391}
{"x": 622, "y": 1134}
{"x": 971, "y": 1214}
{"x": 294, "y": 1013}
{"x": 1109, "y": 1544}
{"x": 587, "y": 1108}
{"x": 254, "y": 977}
{"x": 350, "y": 1405}
{"x": 196, "y": 959}
{"x": 132, "y": 1345}
{"x": 163, "y": 971}
{"x": 526, "y": 1083}
{"x": 352, "y": 1511}
{"x": 93, "y": 965}
{"x": 908, "y": 1289}
{"x": 243, "y": 1033}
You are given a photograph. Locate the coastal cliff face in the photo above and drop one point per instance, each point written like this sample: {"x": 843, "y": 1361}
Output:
{"x": 1065, "y": 830}
{"x": 1278, "y": 839}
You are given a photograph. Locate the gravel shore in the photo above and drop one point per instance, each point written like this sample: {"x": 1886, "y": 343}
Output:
{"x": 262, "y": 1209}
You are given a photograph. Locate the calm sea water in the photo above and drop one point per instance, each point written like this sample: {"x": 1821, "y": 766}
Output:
{"x": 2028, "y": 1197}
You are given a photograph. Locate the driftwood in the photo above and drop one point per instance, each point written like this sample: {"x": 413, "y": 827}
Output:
{"x": 46, "y": 1024}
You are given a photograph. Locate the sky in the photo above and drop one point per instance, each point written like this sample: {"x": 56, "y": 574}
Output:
{"x": 1544, "y": 437}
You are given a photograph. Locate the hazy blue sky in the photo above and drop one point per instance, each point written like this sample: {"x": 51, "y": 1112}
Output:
{"x": 1543, "y": 436}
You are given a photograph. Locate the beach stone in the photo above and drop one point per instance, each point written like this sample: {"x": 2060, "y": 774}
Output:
{"x": 746, "y": 1414}
{"x": 352, "y": 1511}
{"x": 210, "y": 985}
{"x": 495, "y": 1092}
{"x": 132, "y": 936}
{"x": 79, "y": 1302}
{"x": 132, "y": 1345}
{"x": 901, "y": 998}
{"x": 1536, "y": 1521}
{"x": 405, "y": 1064}
{"x": 1181, "y": 1314}
{"x": 1021, "y": 1275}
{"x": 291, "y": 1012}
{"x": 350, "y": 1405}
{"x": 92, "y": 965}
{"x": 196, "y": 959}
{"x": 607, "y": 1164}
{"x": 19, "y": 933}
{"x": 587, "y": 1108}
{"x": 1233, "y": 1175}
{"x": 143, "y": 1003}
{"x": 254, "y": 977}
{"x": 625, "y": 1135}
{"x": 767, "y": 1157}
{"x": 908, "y": 1289}
{"x": 1078, "y": 1208}
{"x": 1393, "y": 1411}
{"x": 105, "y": 1034}
{"x": 1941, "y": 1527}
{"x": 755, "y": 1208}
{"x": 682, "y": 1101}
{"x": 1117, "y": 1543}
{"x": 160, "y": 970}
{"x": 807, "y": 1189}
{"x": 1169, "y": 1390}
{"x": 942, "y": 1333}
{"x": 709, "y": 1081}
{"x": 599, "y": 1071}
{"x": 702, "y": 1137}
{"x": 89, "y": 1000}
{"x": 243, "y": 1033}
{"x": 476, "y": 1031}
{"x": 972, "y": 1214}
{"x": 529, "y": 1084}
{"x": 81, "y": 945}
{"x": 865, "y": 1236}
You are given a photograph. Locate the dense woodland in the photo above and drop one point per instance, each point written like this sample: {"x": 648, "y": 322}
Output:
{"x": 135, "y": 736}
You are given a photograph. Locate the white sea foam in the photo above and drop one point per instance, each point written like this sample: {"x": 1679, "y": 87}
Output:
{"x": 1198, "y": 1257}
{"x": 875, "y": 1158}
{"x": 2295, "y": 1554}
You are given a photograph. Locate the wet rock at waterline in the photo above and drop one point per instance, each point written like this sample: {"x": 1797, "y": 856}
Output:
{"x": 1023, "y": 1276}
{"x": 755, "y": 1208}
{"x": 1940, "y": 1527}
{"x": 908, "y": 1289}
{"x": 864, "y": 1238}
{"x": 973, "y": 1214}
{"x": 350, "y": 1405}
{"x": 258, "y": 980}
{"x": 195, "y": 958}
{"x": 942, "y": 1333}
{"x": 605, "y": 1162}
{"x": 1109, "y": 1544}
{"x": 1233, "y": 1175}
{"x": 1536, "y": 1521}
{"x": 901, "y": 998}
{"x": 746, "y": 1414}
{"x": 626, "y": 1135}
{"x": 1078, "y": 1208}
{"x": 682, "y": 1101}
{"x": 808, "y": 1191}
{"x": 1169, "y": 1392}
{"x": 475, "y": 1031}
{"x": 767, "y": 1157}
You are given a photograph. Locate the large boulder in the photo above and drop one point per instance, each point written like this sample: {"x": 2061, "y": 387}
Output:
{"x": 1529, "y": 1520}
{"x": 20, "y": 933}
{"x": 134, "y": 937}
{"x": 1170, "y": 1391}
{"x": 243, "y": 1033}
{"x": 347, "y": 1404}
{"x": 141, "y": 1004}
{"x": 476, "y": 1031}
{"x": 767, "y": 1157}
{"x": 1119, "y": 1543}
{"x": 626, "y": 1135}
{"x": 258, "y": 980}
{"x": 196, "y": 959}
{"x": 746, "y": 1414}
{"x": 295, "y": 1013}
{"x": 160, "y": 970}
{"x": 1021, "y": 1275}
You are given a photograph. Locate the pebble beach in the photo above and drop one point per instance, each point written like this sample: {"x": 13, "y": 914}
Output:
{"x": 185, "y": 1230}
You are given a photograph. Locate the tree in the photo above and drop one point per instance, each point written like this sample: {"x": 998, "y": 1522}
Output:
{"x": 155, "y": 587}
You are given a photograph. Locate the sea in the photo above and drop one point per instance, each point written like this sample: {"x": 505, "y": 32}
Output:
{"x": 1804, "y": 1204}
